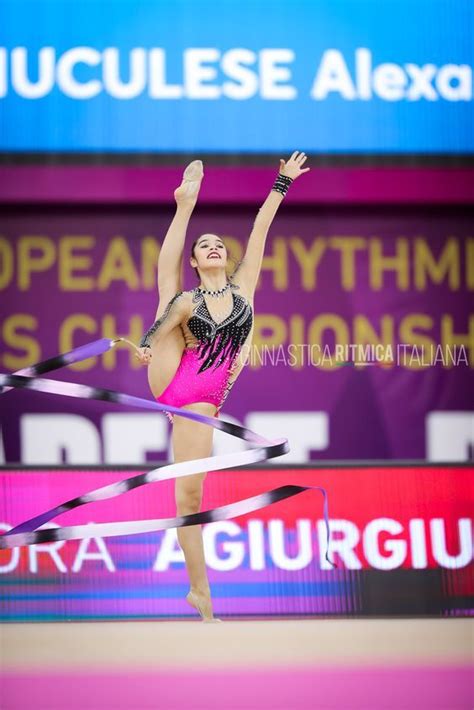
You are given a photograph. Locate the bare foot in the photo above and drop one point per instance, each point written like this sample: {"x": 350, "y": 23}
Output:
{"x": 188, "y": 191}
{"x": 203, "y": 605}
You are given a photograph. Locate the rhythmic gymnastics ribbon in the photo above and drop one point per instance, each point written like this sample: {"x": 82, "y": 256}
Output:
{"x": 26, "y": 533}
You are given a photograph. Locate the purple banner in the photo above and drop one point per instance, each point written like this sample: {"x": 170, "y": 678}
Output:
{"x": 363, "y": 345}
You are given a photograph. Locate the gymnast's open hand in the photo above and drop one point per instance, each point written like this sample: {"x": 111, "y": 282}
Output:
{"x": 293, "y": 167}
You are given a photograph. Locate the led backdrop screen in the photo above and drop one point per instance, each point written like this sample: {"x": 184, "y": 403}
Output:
{"x": 401, "y": 536}
{"x": 245, "y": 77}
{"x": 363, "y": 345}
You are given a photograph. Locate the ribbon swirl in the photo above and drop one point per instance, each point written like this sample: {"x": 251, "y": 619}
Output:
{"x": 26, "y": 533}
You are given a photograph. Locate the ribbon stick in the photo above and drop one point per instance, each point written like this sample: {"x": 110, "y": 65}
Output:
{"x": 26, "y": 533}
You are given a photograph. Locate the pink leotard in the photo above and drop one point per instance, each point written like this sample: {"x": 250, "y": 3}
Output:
{"x": 204, "y": 370}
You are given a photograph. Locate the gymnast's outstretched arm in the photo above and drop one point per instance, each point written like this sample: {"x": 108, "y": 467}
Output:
{"x": 248, "y": 269}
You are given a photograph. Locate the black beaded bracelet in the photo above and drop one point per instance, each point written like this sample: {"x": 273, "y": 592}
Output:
{"x": 282, "y": 183}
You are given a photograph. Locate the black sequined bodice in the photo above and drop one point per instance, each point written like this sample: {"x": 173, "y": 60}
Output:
{"x": 218, "y": 340}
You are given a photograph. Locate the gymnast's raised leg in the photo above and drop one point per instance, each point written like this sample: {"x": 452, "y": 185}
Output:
{"x": 167, "y": 352}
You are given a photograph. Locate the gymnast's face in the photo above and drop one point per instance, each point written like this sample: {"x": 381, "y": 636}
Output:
{"x": 209, "y": 253}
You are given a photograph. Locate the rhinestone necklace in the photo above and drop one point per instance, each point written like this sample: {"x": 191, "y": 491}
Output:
{"x": 218, "y": 293}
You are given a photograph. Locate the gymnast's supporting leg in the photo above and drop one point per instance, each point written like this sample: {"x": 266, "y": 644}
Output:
{"x": 192, "y": 440}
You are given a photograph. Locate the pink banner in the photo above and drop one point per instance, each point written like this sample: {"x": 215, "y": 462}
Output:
{"x": 229, "y": 185}
{"x": 393, "y": 529}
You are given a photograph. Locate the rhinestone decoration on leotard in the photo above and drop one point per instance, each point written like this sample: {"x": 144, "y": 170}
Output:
{"x": 205, "y": 370}
{"x": 220, "y": 340}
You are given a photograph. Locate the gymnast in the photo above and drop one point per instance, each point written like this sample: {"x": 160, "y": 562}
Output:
{"x": 194, "y": 348}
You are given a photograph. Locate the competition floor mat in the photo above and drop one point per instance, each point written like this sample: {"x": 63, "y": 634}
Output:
{"x": 327, "y": 664}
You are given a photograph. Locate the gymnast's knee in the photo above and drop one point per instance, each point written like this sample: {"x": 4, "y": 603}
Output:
{"x": 188, "y": 498}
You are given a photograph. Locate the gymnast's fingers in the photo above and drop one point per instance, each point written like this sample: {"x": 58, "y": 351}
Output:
{"x": 143, "y": 357}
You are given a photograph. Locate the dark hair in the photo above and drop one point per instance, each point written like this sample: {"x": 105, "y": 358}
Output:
{"x": 193, "y": 246}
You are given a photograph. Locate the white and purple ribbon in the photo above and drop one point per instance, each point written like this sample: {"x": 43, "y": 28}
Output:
{"x": 26, "y": 533}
